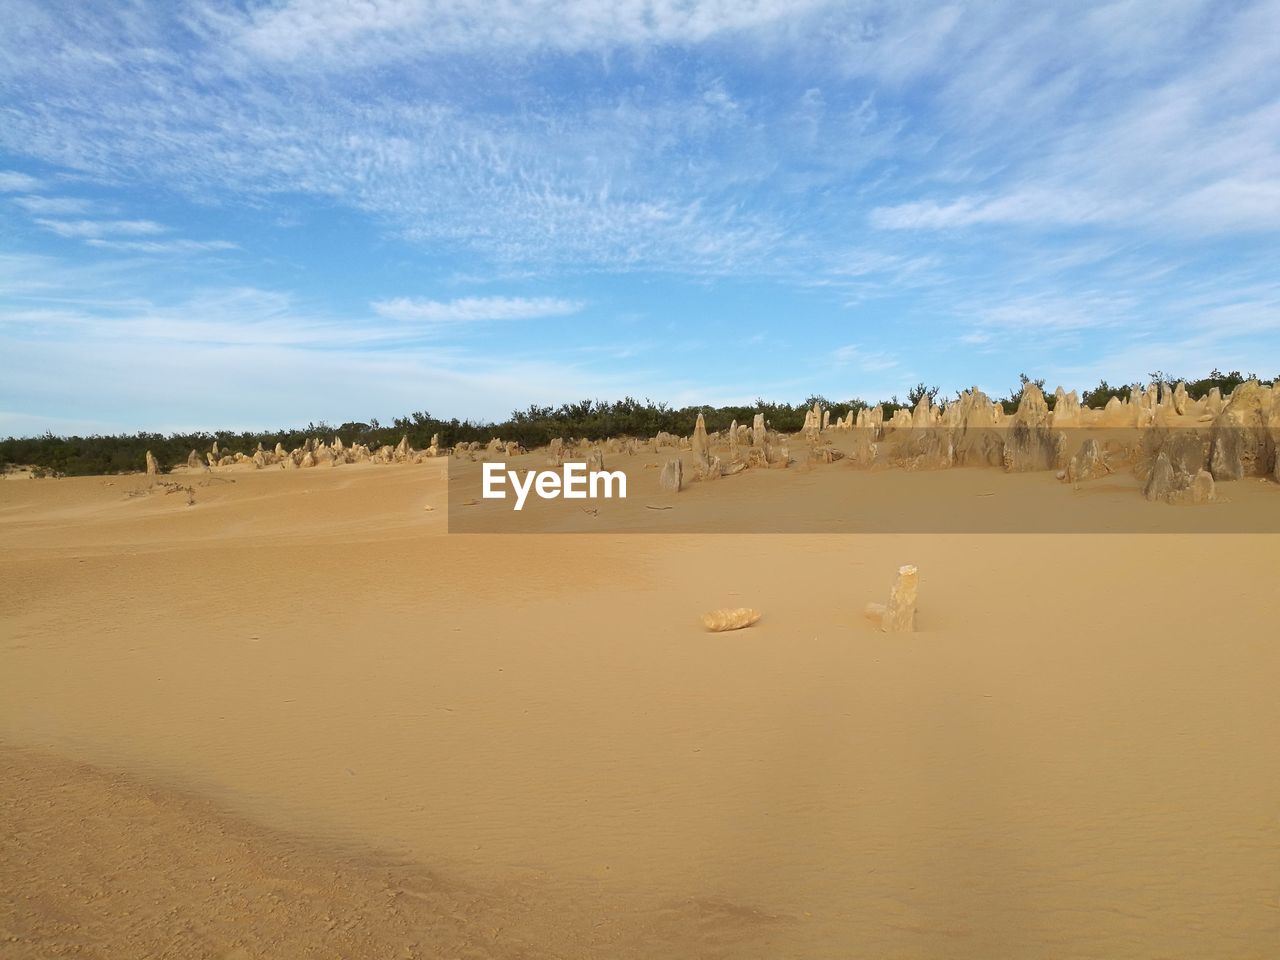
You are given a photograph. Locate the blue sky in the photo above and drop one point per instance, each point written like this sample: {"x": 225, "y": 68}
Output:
{"x": 257, "y": 214}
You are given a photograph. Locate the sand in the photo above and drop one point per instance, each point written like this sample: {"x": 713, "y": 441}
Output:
{"x": 380, "y": 740}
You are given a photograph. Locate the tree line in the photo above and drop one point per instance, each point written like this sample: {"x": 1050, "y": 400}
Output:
{"x": 532, "y": 427}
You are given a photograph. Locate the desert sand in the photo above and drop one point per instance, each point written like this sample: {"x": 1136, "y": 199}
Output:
{"x": 299, "y": 718}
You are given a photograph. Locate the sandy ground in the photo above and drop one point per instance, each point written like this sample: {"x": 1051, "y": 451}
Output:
{"x": 840, "y": 498}
{"x": 297, "y": 719}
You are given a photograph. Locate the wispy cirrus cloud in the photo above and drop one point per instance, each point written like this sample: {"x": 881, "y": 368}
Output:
{"x": 11, "y": 181}
{"x": 869, "y": 360}
{"x": 907, "y": 117}
{"x": 1149, "y": 131}
{"x": 631, "y": 176}
{"x": 86, "y": 229}
{"x": 947, "y": 185}
{"x": 53, "y": 206}
{"x": 124, "y": 236}
{"x": 474, "y": 309}
{"x": 1040, "y": 314}
{"x": 175, "y": 246}
{"x": 1033, "y": 206}
{"x": 349, "y": 29}
{"x": 278, "y": 359}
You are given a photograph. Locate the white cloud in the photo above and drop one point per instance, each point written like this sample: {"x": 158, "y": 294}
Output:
{"x": 1036, "y": 315}
{"x": 472, "y": 309}
{"x": 109, "y": 234}
{"x": 355, "y": 30}
{"x": 15, "y": 424}
{"x": 1033, "y": 206}
{"x": 1109, "y": 152}
{"x": 162, "y": 247}
{"x": 13, "y": 182}
{"x": 56, "y": 206}
{"x": 1232, "y": 205}
{"x": 276, "y": 362}
{"x": 82, "y": 229}
{"x": 868, "y": 360}
{"x": 485, "y": 154}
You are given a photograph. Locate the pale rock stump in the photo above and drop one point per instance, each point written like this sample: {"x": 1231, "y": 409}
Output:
{"x": 672, "y": 477}
{"x": 899, "y": 615}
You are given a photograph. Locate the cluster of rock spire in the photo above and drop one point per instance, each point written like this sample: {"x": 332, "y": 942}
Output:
{"x": 1178, "y": 446}
{"x": 313, "y": 453}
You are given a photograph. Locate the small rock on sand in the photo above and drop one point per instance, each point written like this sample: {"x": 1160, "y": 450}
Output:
{"x": 718, "y": 621}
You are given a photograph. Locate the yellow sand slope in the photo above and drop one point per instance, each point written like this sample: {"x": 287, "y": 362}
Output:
{"x": 382, "y": 740}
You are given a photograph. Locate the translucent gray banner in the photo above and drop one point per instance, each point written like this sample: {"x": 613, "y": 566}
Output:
{"x": 1000, "y": 479}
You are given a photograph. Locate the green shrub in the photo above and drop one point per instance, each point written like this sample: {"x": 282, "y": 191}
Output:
{"x": 532, "y": 427}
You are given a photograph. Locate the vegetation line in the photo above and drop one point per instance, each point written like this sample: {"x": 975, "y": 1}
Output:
{"x": 534, "y": 427}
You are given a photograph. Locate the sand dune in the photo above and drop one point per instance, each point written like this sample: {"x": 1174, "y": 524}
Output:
{"x": 527, "y": 745}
